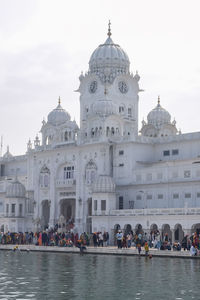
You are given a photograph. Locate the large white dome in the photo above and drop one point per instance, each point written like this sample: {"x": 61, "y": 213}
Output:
{"x": 109, "y": 55}
{"x": 158, "y": 116}
{"x": 15, "y": 190}
{"x": 58, "y": 116}
{"x": 104, "y": 184}
{"x": 104, "y": 107}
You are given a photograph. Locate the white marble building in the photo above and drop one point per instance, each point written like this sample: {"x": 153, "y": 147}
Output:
{"x": 106, "y": 173}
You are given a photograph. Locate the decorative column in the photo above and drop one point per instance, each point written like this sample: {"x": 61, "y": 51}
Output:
{"x": 52, "y": 200}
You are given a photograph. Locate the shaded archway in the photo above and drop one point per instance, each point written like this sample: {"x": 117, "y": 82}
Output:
{"x": 154, "y": 232}
{"x": 127, "y": 228}
{"x": 2, "y": 228}
{"x": 116, "y": 228}
{"x": 138, "y": 229}
{"x": 67, "y": 210}
{"x": 178, "y": 233}
{"x": 154, "y": 228}
{"x": 166, "y": 233}
{"x": 45, "y": 214}
{"x": 195, "y": 228}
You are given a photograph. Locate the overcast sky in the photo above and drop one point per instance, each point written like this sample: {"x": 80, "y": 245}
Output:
{"x": 45, "y": 44}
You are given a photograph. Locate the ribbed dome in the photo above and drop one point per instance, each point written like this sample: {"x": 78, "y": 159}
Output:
{"x": 158, "y": 116}
{"x": 15, "y": 190}
{"x": 58, "y": 116}
{"x": 104, "y": 184}
{"x": 109, "y": 55}
{"x": 104, "y": 107}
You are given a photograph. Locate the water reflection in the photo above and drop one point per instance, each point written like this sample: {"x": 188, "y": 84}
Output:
{"x": 70, "y": 276}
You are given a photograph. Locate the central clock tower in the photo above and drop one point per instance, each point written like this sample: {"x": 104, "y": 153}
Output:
{"x": 108, "y": 95}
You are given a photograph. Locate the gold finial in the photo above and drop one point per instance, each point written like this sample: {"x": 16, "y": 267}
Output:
{"x": 59, "y": 101}
{"x": 109, "y": 30}
{"x": 158, "y": 99}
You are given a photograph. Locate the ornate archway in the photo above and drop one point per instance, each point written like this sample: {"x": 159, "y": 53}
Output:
{"x": 67, "y": 210}
{"x": 45, "y": 214}
{"x": 138, "y": 229}
{"x": 178, "y": 233}
{"x": 127, "y": 228}
{"x": 166, "y": 232}
{"x": 154, "y": 228}
{"x": 195, "y": 228}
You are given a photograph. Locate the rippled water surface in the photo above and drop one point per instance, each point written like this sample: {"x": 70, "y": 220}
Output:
{"x": 41, "y": 276}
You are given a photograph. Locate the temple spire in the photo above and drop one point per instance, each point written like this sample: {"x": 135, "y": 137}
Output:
{"x": 158, "y": 100}
{"x": 109, "y": 29}
{"x": 59, "y": 101}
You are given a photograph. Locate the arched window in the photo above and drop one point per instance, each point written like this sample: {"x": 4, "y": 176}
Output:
{"x": 66, "y": 135}
{"x": 107, "y": 131}
{"x": 90, "y": 172}
{"x": 129, "y": 112}
{"x": 44, "y": 177}
{"x": 92, "y": 132}
{"x": 69, "y": 172}
{"x": 121, "y": 202}
{"x": 121, "y": 109}
{"x": 87, "y": 109}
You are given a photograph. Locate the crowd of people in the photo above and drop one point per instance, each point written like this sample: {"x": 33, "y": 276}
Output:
{"x": 101, "y": 239}
{"x": 154, "y": 240}
{"x": 55, "y": 238}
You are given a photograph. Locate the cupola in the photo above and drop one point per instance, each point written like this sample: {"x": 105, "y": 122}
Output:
{"x": 104, "y": 184}
{"x": 15, "y": 189}
{"x": 58, "y": 116}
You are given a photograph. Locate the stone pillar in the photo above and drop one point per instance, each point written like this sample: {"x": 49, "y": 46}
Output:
{"x": 52, "y": 199}
{"x": 173, "y": 237}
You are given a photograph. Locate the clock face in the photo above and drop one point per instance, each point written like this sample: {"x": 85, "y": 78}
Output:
{"x": 123, "y": 87}
{"x": 93, "y": 87}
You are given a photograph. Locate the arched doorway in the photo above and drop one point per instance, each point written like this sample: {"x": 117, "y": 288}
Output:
{"x": 166, "y": 233}
{"x": 89, "y": 216}
{"x": 178, "y": 233}
{"x": 2, "y": 228}
{"x": 154, "y": 228}
{"x": 45, "y": 214}
{"x": 127, "y": 228}
{"x": 67, "y": 210}
{"x": 154, "y": 232}
{"x": 195, "y": 228}
{"x": 138, "y": 229}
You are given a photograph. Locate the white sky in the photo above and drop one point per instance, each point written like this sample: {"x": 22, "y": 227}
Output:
{"x": 45, "y": 44}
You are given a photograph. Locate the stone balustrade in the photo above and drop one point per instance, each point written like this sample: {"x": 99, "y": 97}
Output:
{"x": 65, "y": 182}
{"x": 154, "y": 211}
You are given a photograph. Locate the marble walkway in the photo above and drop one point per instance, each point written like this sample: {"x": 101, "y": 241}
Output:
{"x": 110, "y": 250}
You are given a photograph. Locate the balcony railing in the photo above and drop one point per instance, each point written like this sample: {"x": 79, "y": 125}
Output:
{"x": 65, "y": 182}
{"x": 156, "y": 211}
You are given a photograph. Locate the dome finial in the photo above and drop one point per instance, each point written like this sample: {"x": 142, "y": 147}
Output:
{"x": 158, "y": 100}
{"x": 59, "y": 101}
{"x": 109, "y": 29}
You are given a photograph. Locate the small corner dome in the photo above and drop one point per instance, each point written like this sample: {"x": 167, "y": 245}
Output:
{"x": 7, "y": 154}
{"x": 159, "y": 115}
{"x": 15, "y": 189}
{"x": 109, "y": 55}
{"x": 104, "y": 107}
{"x": 58, "y": 116}
{"x": 104, "y": 184}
